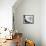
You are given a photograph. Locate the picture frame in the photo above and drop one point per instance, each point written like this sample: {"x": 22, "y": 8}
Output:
{"x": 28, "y": 19}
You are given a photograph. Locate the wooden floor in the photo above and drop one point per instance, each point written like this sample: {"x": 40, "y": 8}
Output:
{"x": 9, "y": 43}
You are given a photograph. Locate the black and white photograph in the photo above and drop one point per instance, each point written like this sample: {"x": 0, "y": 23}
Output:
{"x": 28, "y": 19}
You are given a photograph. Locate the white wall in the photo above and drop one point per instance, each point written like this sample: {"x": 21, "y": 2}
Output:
{"x": 6, "y": 13}
{"x": 43, "y": 22}
{"x": 31, "y": 31}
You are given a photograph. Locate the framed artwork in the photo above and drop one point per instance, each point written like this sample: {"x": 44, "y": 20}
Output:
{"x": 28, "y": 19}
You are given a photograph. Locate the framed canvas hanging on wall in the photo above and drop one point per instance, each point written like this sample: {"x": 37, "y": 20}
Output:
{"x": 28, "y": 19}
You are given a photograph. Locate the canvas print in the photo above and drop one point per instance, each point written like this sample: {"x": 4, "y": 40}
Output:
{"x": 28, "y": 19}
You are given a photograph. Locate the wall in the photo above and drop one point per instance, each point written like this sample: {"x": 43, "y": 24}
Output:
{"x": 30, "y": 31}
{"x": 43, "y": 22}
{"x": 6, "y": 13}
